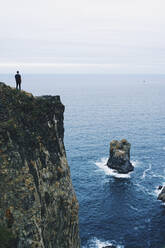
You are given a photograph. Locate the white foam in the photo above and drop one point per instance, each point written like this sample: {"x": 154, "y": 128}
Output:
{"x": 141, "y": 187}
{"x": 145, "y": 172}
{"x": 110, "y": 172}
{"x": 157, "y": 192}
{"x": 158, "y": 176}
{"x": 147, "y": 191}
{"x": 100, "y": 244}
{"x": 135, "y": 209}
{"x": 135, "y": 163}
{"x": 96, "y": 243}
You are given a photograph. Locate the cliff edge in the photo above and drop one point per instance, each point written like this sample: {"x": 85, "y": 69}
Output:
{"x": 38, "y": 204}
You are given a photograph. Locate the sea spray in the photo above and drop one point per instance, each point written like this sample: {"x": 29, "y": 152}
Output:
{"x": 110, "y": 172}
{"x": 96, "y": 243}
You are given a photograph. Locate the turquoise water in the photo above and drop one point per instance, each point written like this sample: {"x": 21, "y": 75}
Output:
{"x": 114, "y": 209}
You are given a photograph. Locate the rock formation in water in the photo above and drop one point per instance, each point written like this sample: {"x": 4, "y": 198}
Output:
{"x": 119, "y": 159}
{"x": 161, "y": 195}
{"x": 38, "y": 205}
{"x": 160, "y": 187}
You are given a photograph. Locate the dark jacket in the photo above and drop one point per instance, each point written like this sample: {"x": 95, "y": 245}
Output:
{"x": 18, "y": 78}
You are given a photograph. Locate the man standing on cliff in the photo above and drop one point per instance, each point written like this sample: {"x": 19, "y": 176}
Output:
{"x": 18, "y": 80}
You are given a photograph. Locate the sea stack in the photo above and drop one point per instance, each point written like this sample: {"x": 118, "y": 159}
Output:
{"x": 119, "y": 159}
{"x": 38, "y": 205}
{"x": 161, "y": 195}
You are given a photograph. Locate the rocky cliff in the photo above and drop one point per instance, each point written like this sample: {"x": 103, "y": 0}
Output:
{"x": 38, "y": 205}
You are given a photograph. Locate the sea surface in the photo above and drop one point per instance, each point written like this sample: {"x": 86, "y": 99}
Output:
{"x": 114, "y": 208}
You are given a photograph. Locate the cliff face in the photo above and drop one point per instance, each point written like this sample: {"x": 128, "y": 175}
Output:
{"x": 37, "y": 200}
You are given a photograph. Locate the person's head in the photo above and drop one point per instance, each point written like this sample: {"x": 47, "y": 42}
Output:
{"x": 17, "y": 72}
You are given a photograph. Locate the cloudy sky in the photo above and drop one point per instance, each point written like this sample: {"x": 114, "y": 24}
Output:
{"x": 105, "y": 36}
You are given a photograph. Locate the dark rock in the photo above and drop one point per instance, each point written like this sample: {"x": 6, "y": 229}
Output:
{"x": 160, "y": 187}
{"x": 37, "y": 200}
{"x": 119, "y": 159}
{"x": 161, "y": 196}
{"x": 7, "y": 239}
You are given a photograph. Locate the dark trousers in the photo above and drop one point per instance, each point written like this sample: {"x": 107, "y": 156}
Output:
{"x": 18, "y": 85}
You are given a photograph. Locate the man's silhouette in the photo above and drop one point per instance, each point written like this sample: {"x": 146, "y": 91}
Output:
{"x": 18, "y": 80}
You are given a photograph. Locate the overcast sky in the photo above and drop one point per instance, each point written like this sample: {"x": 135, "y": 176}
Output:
{"x": 105, "y": 36}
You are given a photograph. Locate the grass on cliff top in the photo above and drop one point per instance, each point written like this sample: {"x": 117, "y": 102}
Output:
{"x": 7, "y": 239}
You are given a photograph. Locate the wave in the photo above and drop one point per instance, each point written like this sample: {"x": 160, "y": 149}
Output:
{"x": 158, "y": 176}
{"x": 164, "y": 148}
{"x": 132, "y": 207}
{"x": 145, "y": 190}
{"x": 96, "y": 243}
{"x": 135, "y": 163}
{"x": 142, "y": 188}
{"x": 157, "y": 192}
{"x": 108, "y": 171}
{"x": 145, "y": 172}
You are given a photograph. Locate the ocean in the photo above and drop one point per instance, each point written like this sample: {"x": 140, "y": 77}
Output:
{"x": 114, "y": 209}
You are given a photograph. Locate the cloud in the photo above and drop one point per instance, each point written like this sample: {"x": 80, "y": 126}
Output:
{"x": 83, "y": 32}
{"x": 70, "y": 68}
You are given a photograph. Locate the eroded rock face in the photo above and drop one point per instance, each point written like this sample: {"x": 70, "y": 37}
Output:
{"x": 161, "y": 195}
{"x": 37, "y": 200}
{"x": 119, "y": 159}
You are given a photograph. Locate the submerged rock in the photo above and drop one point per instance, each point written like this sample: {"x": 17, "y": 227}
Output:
{"x": 161, "y": 196}
{"x": 160, "y": 187}
{"x": 38, "y": 204}
{"x": 119, "y": 159}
